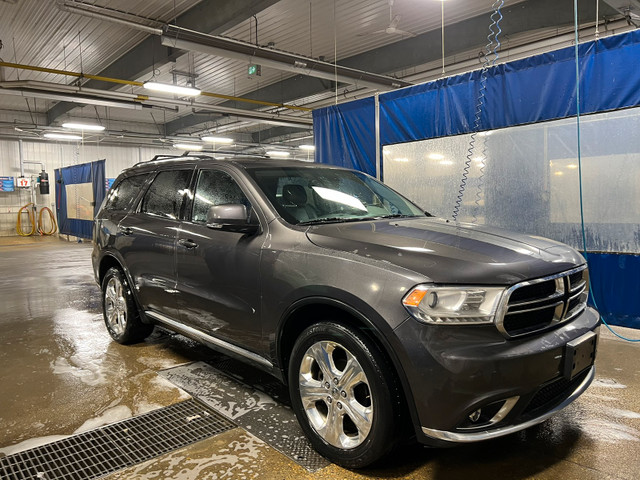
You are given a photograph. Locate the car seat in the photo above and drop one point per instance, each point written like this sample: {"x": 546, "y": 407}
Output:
{"x": 295, "y": 201}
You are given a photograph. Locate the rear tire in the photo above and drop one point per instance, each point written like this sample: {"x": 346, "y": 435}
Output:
{"x": 344, "y": 394}
{"x": 119, "y": 310}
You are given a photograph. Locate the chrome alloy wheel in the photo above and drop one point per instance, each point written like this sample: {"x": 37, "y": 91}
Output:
{"x": 335, "y": 394}
{"x": 115, "y": 305}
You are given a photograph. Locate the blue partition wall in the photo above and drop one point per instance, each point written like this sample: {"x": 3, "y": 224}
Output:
{"x": 534, "y": 90}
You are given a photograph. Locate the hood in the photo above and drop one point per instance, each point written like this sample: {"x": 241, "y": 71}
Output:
{"x": 454, "y": 253}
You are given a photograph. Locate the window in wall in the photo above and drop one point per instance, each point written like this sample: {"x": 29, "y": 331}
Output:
{"x": 216, "y": 188}
{"x": 122, "y": 196}
{"x": 166, "y": 194}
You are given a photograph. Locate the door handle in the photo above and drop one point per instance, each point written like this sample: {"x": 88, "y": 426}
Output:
{"x": 126, "y": 230}
{"x": 187, "y": 243}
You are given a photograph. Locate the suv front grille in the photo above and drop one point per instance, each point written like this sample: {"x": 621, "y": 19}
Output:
{"x": 539, "y": 304}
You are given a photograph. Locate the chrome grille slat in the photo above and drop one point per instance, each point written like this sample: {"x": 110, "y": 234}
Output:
{"x": 531, "y": 302}
{"x": 581, "y": 286}
{"x": 543, "y": 307}
{"x": 570, "y": 288}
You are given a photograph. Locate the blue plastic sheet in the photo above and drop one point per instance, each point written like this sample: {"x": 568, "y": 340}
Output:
{"x": 343, "y": 135}
{"x": 532, "y": 90}
{"x": 85, "y": 173}
{"x": 615, "y": 287}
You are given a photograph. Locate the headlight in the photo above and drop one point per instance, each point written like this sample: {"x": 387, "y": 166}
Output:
{"x": 453, "y": 305}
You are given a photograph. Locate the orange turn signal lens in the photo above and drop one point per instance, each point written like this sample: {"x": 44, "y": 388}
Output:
{"x": 414, "y": 298}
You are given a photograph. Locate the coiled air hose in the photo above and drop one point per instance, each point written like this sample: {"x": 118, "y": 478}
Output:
{"x": 30, "y": 210}
{"x": 32, "y": 221}
{"x": 491, "y": 57}
{"x": 52, "y": 221}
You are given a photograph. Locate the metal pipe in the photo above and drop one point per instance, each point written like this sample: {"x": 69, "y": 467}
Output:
{"x": 21, "y": 154}
{"x": 70, "y": 94}
{"x": 185, "y": 39}
{"x": 141, "y": 84}
{"x": 109, "y": 18}
{"x": 35, "y": 163}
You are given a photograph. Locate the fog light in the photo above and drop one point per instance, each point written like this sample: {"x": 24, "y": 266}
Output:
{"x": 475, "y": 416}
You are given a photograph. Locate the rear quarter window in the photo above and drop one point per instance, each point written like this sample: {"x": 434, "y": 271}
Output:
{"x": 122, "y": 195}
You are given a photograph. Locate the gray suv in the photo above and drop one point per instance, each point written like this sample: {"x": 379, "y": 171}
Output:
{"x": 376, "y": 314}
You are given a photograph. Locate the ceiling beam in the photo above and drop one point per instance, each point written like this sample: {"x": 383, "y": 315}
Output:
{"x": 211, "y": 16}
{"x": 460, "y": 37}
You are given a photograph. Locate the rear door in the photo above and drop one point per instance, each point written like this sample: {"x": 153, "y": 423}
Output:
{"x": 147, "y": 240}
{"x": 218, "y": 271}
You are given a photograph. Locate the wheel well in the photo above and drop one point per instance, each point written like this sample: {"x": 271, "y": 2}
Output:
{"x": 106, "y": 263}
{"x": 307, "y": 315}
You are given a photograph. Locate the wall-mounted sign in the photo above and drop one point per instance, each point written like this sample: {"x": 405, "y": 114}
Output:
{"x": 23, "y": 182}
{"x": 7, "y": 184}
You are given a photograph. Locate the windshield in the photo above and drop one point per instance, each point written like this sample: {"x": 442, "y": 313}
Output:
{"x": 304, "y": 196}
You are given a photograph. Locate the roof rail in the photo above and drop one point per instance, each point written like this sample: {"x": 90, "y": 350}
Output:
{"x": 176, "y": 157}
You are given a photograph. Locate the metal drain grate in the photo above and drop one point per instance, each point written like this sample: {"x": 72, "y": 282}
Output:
{"x": 114, "y": 447}
{"x": 253, "y": 401}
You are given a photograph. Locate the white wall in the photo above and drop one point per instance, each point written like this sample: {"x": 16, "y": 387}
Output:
{"x": 57, "y": 155}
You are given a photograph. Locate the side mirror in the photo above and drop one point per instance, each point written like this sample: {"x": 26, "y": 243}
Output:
{"x": 231, "y": 218}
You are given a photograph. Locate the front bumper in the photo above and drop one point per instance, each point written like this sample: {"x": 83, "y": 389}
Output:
{"x": 454, "y": 371}
{"x": 470, "y": 437}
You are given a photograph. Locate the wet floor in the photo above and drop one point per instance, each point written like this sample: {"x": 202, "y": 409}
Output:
{"x": 61, "y": 374}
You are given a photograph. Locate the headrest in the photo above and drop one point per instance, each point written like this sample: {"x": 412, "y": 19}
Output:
{"x": 294, "y": 194}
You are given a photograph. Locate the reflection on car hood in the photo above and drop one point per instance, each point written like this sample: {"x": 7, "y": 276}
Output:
{"x": 449, "y": 252}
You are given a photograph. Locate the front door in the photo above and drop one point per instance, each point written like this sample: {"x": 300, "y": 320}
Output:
{"x": 218, "y": 271}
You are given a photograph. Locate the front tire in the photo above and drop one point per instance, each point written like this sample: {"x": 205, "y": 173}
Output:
{"x": 119, "y": 310}
{"x": 344, "y": 394}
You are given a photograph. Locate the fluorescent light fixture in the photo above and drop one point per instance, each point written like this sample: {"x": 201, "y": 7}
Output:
{"x": 194, "y": 147}
{"x": 83, "y": 126}
{"x": 572, "y": 166}
{"x": 224, "y": 140}
{"x": 170, "y": 88}
{"x": 479, "y": 159}
{"x": 62, "y": 136}
{"x": 278, "y": 153}
{"x": 402, "y": 159}
{"x": 445, "y": 162}
{"x": 309, "y": 148}
{"x": 435, "y": 156}
{"x": 558, "y": 173}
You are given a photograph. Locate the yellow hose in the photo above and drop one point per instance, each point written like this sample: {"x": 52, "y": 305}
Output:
{"x": 32, "y": 220}
{"x": 54, "y": 226}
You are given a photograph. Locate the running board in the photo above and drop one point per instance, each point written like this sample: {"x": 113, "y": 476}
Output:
{"x": 214, "y": 342}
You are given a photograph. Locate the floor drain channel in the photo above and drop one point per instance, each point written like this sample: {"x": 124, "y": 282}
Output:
{"x": 114, "y": 447}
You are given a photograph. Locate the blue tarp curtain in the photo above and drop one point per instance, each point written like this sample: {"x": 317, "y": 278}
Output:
{"x": 85, "y": 173}
{"x": 532, "y": 90}
{"x": 349, "y": 125}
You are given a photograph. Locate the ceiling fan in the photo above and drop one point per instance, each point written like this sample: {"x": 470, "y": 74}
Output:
{"x": 392, "y": 28}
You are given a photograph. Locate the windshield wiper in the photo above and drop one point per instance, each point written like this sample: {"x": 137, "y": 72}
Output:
{"x": 334, "y": 220}
{"x": 396, "y": 215}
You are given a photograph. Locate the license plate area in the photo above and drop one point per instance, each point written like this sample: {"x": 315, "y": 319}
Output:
{"x": 579, "y": 354}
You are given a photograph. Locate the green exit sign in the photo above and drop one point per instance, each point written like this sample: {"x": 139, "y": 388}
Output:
{"x": 254, "y": 70}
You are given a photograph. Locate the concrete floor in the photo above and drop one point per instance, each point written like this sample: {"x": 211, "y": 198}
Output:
{"x": 60, "y": 374}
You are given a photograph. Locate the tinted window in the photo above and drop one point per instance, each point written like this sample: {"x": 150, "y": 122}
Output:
{"x": 216, "y": 188}
{"x": 166, "y": 194}
{"x": 124, "y": 193}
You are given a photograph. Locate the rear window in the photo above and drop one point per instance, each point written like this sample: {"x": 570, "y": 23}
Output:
{"x": 122, "y": 195}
